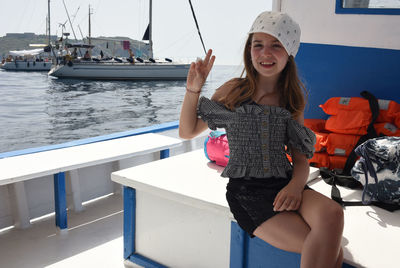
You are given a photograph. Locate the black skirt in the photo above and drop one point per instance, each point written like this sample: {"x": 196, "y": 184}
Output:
{"x": 251, "y": 200}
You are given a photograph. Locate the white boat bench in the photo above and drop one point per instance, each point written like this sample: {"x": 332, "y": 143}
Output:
{"x": 15, "y": 170}
{"x": 176, "y": 215}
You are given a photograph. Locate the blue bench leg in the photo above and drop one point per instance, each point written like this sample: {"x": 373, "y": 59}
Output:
{"x": 60, "y": 202}
{"x": 129, "y": 221}
{"x": 238, "y": 247}
{"x": 164, "y": 153}
{"x": 129, "y": 232}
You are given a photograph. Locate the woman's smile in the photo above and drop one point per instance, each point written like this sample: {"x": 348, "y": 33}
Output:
{"x": 267, "y": 64}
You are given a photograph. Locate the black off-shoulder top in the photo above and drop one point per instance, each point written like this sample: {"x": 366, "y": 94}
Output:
{"x": 257, "y": 135}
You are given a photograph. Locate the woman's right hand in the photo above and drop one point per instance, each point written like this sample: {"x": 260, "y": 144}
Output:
{"x": 199, "y": 71}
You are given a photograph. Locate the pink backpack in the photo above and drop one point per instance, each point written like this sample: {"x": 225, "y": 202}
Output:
{"x": 216, "y": 148}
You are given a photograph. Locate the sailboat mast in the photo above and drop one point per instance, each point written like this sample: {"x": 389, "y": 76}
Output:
{"x": 69, "y": 19}
{"x": 90, "y": 34}
{"x": 48, "y": 21}
{"x": 150, "y": 29}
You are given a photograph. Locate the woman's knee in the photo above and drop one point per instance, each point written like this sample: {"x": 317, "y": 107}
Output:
{"x": 331, "y": 216}
{"x": 322, "y": 212}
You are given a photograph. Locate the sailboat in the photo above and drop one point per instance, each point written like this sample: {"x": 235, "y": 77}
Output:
{"x": 37, "y": 59}
{"x": 116, "y": 69}
{"x": 28, "y": 60}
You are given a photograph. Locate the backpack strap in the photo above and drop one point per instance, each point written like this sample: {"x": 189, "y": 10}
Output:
{"x": 371, "y": 133}
{"x": 333, "y": 178}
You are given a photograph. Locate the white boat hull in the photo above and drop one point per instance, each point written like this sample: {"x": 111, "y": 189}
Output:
{"x": 27, "y": 66}
{"x": 121, "y": 71}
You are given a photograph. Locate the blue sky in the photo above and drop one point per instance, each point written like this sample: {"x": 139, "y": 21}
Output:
{"x": 223, "y": 23}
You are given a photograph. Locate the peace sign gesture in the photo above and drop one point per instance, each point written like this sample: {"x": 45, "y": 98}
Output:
{"x": 198, "y": 73}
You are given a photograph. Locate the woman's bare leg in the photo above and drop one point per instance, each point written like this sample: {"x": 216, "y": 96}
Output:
{"x": 322, "y": 247}
{"x": 286, "y": 230}
{"x": 315, "y": 231}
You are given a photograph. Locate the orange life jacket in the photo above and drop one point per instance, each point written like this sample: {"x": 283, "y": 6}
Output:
{"x": 329, "y": 161}
{"x": 318, "y": 127}
{"x": 320, "y": 144}
{"x": 386, "y": 129}
{"x": 337, "y": 162}
{"x": 340, "y": 144}
{"x": 353, "y": 115}
{"x": 349, "y": 122}
{"x": 387, "y": 108}
{"x": 319, "y": 160}
{"x": 315, "y": 124}
{"x": 397, "y": 120}
{"x": 388, "y": 111}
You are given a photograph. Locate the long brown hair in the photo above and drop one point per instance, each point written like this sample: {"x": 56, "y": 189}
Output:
{"x": 292, "y": 91}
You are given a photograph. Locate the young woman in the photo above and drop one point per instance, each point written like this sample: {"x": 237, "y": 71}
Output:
{"x": 262, "y": 113}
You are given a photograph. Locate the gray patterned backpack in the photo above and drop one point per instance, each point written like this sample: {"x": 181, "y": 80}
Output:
{"x": 378, "y": 170}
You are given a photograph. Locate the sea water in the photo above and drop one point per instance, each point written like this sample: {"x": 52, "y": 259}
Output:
{"x": 38, "y": 110}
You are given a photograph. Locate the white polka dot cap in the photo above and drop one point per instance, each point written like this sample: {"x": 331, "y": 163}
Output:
{"x": 282, "y": 27}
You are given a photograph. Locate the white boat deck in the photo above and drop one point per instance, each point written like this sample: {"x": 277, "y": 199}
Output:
{"x": 94, "y": 239}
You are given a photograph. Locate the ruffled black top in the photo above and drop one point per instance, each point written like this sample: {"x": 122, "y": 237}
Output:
{"x": 257, "y": 135}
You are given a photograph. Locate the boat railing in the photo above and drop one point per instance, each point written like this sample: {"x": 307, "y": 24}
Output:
{"x": 150, "y": 129}
{"x": 110, "y": 63}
